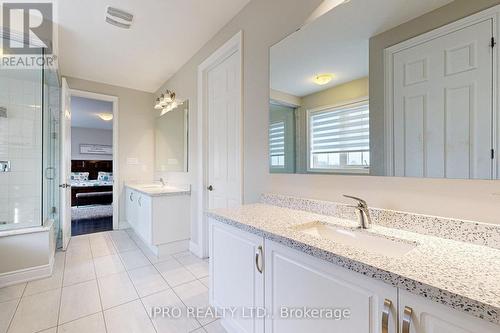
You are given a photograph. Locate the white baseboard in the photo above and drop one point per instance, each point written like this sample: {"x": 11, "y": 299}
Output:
{"x": 195, "y": 249}
{"x": 26, "y": 275}
{"x": 123, "y": 225}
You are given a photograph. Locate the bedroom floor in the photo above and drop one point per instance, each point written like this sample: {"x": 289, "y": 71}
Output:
{"x": 108, "y": 282}
{"x": 84, "y": 227}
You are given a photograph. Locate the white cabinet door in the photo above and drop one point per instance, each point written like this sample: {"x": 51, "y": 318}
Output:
{"x": 235, "y": 281}
{"x": 130, "y": 207}
{"x": 144, "y": 221}
{"x": 294, "y": 280}
{"x": 431, "y": 317}
{"x": 442, "y": 106}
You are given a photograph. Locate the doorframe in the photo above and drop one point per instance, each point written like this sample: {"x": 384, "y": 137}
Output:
{"x": 232, "y": 46}
{"x": 116, "y": 174}
{"x": 492, "y": 13}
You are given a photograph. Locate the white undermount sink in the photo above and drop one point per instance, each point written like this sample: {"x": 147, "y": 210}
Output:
{"x": 358, "y": 238}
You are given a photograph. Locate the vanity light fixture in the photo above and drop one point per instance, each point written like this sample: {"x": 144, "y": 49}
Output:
{"x": 105, "y": 116}
{"x": 323, "y": 79}
{"x": 167, "y": 102}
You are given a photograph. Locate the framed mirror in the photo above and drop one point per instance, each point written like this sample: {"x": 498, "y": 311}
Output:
{"x": 356, "y": 92}
{"x": 172, "y": 139}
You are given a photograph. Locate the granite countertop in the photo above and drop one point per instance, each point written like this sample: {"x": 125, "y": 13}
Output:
{"x": 460, "y": 275}
{"x": 157, "y": 190}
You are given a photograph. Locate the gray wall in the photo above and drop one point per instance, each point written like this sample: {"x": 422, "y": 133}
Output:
{"x": 95, "y": 136}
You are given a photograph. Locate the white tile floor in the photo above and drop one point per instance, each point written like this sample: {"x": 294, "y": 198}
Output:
{"x": 108, "y": 282}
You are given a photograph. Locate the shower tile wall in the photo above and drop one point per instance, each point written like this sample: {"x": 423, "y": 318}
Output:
{"x": 21, "y": 144}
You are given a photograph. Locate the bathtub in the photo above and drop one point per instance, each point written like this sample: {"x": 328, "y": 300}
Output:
{"x": 26, "y": 253}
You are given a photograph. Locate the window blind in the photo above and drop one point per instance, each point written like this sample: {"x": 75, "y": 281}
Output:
{"x": 345, "y": 129}
{"x": 277, "y": 143}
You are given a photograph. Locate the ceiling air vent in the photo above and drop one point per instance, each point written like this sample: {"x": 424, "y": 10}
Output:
{"x": 118, "y": 18}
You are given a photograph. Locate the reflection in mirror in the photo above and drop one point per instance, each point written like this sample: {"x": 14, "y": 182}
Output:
{"x": 430, "y": 111}
{"x": 171, "y": 140}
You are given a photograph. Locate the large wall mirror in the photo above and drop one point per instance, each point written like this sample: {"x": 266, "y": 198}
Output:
{"x": 431, "y": 109}
{"x": 171, "y": 140}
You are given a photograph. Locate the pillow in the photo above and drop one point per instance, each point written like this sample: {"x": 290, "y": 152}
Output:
{"x": 105, "y": 176}
{"x": 79, "y": 176}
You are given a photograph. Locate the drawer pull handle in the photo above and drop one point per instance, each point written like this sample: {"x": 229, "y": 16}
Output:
{"x": 140, "y": 201}
{"x": 131, "y": 197}
{"x": 408, "y": 312}
{"x": 258, "y": 256}
{"x": 385, "y": 316}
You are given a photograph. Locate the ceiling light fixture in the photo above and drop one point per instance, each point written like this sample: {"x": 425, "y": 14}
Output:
{"x": 323, "y": 79}
{"x": 119, "y": 18}
{"x": 105, "y": 116}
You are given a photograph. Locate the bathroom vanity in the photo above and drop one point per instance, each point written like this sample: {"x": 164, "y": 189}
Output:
{"x": 159, "y": 215}
{"x": 386, "y": 279}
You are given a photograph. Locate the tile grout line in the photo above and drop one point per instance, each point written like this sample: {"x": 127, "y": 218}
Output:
{"x": 133, "y": 285}
{"x": 98, "y": 288}
{"x": 17, "y": 307}
{"x": 172, "y": 287}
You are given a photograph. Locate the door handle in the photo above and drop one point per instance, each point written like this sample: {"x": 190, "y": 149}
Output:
{"x": 258, "y": 256}
{"x": 408, "y": 312}
{"x": 65, "y": 186}
{"x": 385, "y": 316}
{"x": 210, "y": 188}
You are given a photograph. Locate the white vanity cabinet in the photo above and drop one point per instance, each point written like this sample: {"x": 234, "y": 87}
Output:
{"x": 294, "y": 280}
{"x": 235, "y": 281}
{"x": 161, "y": 221}
{"x": 420, "y": 315}
{"x": 291, "y": 279}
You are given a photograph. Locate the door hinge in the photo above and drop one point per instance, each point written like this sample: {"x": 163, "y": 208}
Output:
{"x": 493, "y": 154}
{"x": 493, "y": 42}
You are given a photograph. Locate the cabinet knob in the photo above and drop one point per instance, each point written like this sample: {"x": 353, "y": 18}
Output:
{"x": 408, "y": 312}
{"x": 210, "y": 188}
{"x": 385, "y": 316}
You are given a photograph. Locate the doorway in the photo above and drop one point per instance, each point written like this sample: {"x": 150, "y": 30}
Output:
{"x": 90, "y": 157}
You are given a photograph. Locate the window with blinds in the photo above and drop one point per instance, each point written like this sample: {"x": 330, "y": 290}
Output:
{"x": 339, "y": 138}
{"x": 277, "y": 144}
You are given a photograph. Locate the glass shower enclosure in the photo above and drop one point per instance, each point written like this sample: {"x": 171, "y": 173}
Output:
{"x": 29, "y": 148}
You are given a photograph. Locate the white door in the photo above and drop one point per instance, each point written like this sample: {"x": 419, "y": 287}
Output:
{"x": 65, "y": 164}
{"x": 224, "y": 133}
{"x": 425, "y": 316}
{"x": 443, "y": 107}
{"x": 235, "y": 279}
{"x": 351, "y": 302}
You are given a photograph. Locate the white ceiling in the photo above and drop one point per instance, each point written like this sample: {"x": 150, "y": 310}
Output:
{"x": 165, "y": 34}
{"x": 337, "y": 43}
{"x": 84, "y": 113}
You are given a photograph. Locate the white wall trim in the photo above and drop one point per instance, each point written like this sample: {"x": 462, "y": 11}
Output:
{"x": 235, "y": 44}
{"x": 488, "y": 14}
{"x": 27, "y": 274}
{"x": 116, "y": 173}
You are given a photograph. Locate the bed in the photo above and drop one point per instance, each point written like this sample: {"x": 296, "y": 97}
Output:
{"x": 91, "y": 183}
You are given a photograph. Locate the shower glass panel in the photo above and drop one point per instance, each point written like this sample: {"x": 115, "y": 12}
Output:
{"x": 29, "y": 116}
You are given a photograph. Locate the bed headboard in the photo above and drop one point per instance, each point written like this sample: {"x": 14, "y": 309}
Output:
{"x": 91, "y": 166}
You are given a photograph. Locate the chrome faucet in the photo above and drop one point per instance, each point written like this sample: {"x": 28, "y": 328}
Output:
{"x": 365, "y": 219}
{"x": 162, "y": 182}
